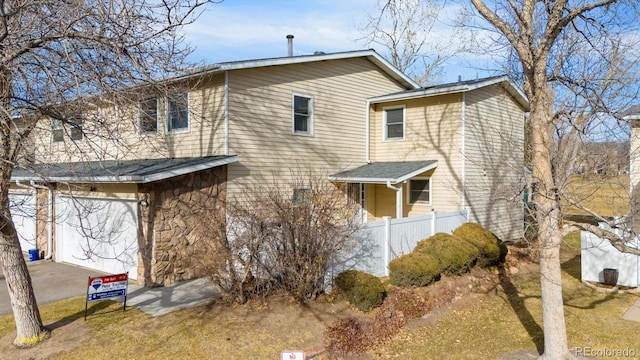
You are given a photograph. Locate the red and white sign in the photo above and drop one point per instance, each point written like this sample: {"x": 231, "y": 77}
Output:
{"x": 105, "y": 287}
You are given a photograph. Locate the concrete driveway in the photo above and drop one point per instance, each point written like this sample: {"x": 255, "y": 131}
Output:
{"x": 51, "y": 282}
{"x": 54, "y": 281}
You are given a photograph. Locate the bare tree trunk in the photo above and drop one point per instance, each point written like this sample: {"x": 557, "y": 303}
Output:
{"x": 548, "y": 215}
{"x": 29, "y": 326}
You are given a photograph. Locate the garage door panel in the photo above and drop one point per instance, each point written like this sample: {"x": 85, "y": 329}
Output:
{"x": 98, "y": 233}
{"x": 23, "y": 213}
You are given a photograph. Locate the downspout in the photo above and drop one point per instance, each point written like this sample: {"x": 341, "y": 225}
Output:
{"x": 463, "y": 141}
{"x": 368, "y": 133}
{"x": 398, "y": 191}
{"x": 49, "y": 219}
{"x": 226, "y": 113}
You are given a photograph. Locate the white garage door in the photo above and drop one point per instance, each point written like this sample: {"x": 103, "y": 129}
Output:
{"x": 97, "y": 233}
{"x": 23, "y": 213}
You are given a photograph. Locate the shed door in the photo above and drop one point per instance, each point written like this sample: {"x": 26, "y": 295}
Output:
{"x": 23, "y": 213}
{"x": 97, "y": 233}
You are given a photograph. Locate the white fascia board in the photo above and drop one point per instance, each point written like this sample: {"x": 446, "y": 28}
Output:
{"x": 384, "y": 180}
{"x": 455, "y": 88}
{"x": 631, "y": 117}
{"x": 362, "y": 180}
{"x": 372, "y": 55}
{"x": 417, "y": 172}
{"x": 189, "y": 169}
{"x": 419, "y": 94}
{"x": 137, "y": 178}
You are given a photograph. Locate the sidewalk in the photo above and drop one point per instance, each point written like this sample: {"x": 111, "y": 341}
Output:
{"x": 158, "y": 301}
{"x": 633, "y": 314}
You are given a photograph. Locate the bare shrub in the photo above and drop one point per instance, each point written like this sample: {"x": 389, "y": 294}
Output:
{"x": 284, "y": 237}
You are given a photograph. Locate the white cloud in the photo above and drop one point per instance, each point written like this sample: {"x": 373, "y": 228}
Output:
{"x": 246, "y": 29}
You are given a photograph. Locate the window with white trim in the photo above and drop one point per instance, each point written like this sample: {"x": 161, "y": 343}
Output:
{"x": 178, "y": 112}
{"x": 148, "y": 115}
{"x": 394, "y": 123}
{"x": 73, "y": 128}
{"x": 302, "y": 115}
{"x": 419, "y": 191}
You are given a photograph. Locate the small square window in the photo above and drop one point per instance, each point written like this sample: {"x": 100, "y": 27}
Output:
{"x": 301, "y": 196}
{"x": 74, "y": 128}
{"x": 394, "y": 124}
{"x": 148, "y": 115}
{"x": 419, "y": 191}
{"x": 302, "y": 115}
{"x": 178, "y": 112}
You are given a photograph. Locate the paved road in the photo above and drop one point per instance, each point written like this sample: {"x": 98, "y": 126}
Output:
{"x": 51, "y": 282}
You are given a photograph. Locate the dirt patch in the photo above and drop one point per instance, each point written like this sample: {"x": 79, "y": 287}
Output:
{"x": 63, "y": 338}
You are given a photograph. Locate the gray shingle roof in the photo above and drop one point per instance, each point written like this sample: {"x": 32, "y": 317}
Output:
{"x": 119, "y": 171}
{"x": 382, "y": 172}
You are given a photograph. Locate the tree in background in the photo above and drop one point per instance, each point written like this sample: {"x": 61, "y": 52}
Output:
{"x": 578, "y": 64}
{"x": 408, "y": 30}
{"x": 83, "y": 54}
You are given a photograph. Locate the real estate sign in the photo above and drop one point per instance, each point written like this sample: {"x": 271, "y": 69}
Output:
{"x": 106, "y": 287}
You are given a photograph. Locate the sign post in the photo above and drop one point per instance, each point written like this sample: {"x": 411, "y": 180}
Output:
{"x": 106, "y": 287}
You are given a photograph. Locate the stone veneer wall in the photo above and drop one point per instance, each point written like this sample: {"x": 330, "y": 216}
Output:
{"x": 181, "y": 217}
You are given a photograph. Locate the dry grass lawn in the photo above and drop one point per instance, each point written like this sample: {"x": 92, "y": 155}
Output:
{"x": 608, "y": 196}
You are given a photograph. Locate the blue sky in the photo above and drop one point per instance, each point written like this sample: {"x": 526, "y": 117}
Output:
{"x": 251, "y": 29}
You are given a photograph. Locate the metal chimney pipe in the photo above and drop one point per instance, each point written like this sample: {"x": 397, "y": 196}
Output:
{"x": 290, "y": 45}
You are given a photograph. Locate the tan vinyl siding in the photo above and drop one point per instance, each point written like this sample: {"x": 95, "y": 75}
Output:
{"x": 111, "y": 190}
{"x": 117, "y": 137}
{"x": 433, "y": 132}
{"x": 494, "y": 167}
{"x": 260, "y": 107}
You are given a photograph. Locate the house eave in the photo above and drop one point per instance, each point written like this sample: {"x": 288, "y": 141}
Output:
{"x": 384, "y": 180}
{"x": 506, "y": 83}
{"x": 370, "y": 54}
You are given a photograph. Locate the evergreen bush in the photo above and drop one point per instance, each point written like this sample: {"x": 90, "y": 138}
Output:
{"x": 362, "y": 290}
{"x": 414, "y": 269}
{"x": 455, "y": 255}
{"x": 488, "y": 244}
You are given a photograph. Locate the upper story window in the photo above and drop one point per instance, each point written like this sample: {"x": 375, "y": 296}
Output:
{"x": 73, "y": 128}
{"x": 178, "y": 112}
{"x": 394, "y": 123}
{"x": 302, "y": 115}
{"x": 148, "y": 115}
{"x": 419, "y": 191}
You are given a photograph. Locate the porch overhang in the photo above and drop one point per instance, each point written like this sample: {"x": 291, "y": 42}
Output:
{"x": 394, "y": 172}
{"x": 119, "y": 171}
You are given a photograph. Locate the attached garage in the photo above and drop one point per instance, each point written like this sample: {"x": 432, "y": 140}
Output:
{"x": 151, "y": 218}
{"x": 98, "y": 233}
{"x": 23, "y": 213}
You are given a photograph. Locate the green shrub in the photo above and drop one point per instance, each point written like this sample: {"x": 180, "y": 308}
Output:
{"x": 455, "y": 255}
{"x": 414, "y": 269}
{"x": 490, "y": 247}
{"x": 362, "y": 290}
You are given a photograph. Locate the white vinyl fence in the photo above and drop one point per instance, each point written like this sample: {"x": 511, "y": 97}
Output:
{"x": 382, "y": 241}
